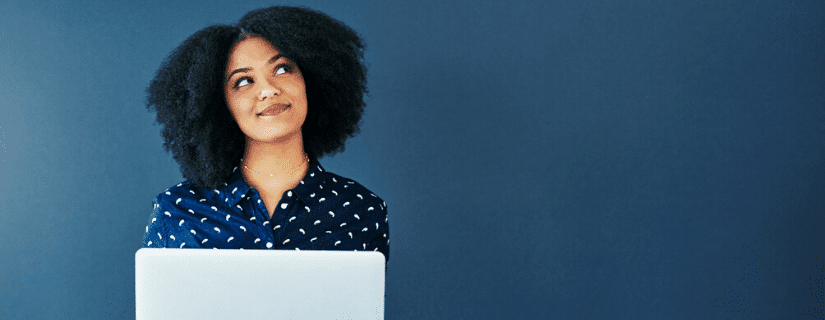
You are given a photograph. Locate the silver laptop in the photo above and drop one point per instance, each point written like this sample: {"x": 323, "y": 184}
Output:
{"x": 259, "y": 284}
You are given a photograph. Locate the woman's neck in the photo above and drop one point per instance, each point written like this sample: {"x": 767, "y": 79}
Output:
{"x": 273, "y": 168}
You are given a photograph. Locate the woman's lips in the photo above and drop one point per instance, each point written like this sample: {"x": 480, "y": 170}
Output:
{"x": 274, "y": 110}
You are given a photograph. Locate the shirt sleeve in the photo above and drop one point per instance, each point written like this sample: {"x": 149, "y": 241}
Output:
{"x": 381, "y": 238}
{"x": 169, "y": 226}
{"x": 362, "y": 227}
{"x": 156, "y": 233}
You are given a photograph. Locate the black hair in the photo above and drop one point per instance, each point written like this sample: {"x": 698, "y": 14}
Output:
{"x": 187, "y": 91}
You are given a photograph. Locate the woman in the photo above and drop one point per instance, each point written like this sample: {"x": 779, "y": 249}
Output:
{"x": 246, "y": 111}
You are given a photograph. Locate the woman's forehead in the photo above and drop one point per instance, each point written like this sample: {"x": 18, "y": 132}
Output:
{"x": 251, "y": 53}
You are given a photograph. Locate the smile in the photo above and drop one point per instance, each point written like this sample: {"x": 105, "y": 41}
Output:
{"x": 274, "y": 110}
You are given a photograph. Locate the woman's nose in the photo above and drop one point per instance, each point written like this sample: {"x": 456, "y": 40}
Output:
{"x": 267, "y": 91}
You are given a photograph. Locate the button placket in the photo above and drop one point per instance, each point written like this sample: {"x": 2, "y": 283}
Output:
{"x": 258, "y": 216}
{"x": 281, "y": 215}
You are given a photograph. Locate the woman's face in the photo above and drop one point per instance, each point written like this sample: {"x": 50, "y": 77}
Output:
{"x": 265, "y": 92}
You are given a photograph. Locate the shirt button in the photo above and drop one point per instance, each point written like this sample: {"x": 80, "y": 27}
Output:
{"x": 269, "y": 244}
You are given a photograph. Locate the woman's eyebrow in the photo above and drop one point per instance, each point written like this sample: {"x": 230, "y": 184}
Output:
{"x": 274, "y": 58}
{"x": 271, "y": 61}
{"x": 237, "y": 71}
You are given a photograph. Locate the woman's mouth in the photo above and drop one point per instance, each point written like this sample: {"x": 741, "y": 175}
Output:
{"x": 274, "y": 110}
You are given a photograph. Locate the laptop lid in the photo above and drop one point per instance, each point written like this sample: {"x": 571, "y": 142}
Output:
{"x": 265, "y": 284}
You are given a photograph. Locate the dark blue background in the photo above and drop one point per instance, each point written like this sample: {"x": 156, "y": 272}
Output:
{"x": 544, "y": 159}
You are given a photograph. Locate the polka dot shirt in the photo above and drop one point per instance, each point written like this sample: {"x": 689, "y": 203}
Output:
{"x": 323, "y": 212}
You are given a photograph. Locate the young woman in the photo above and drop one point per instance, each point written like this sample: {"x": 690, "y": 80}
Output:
{"x": 246, "y": 111}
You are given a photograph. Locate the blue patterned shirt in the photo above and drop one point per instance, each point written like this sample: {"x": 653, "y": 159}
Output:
{"x": 323, "y": 212}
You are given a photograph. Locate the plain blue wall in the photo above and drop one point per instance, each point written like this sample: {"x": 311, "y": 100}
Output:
{"x": 550, "y": 159}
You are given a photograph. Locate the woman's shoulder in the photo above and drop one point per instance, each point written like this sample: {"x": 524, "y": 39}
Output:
{"x": 346, "y": 192}
{"x": 183, "y": 189}
{"x": 187, "y": 191}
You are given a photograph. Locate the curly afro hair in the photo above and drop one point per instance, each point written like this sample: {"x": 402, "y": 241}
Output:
{"x": 187, "y": 91}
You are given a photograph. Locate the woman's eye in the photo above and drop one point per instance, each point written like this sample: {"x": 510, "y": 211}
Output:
{"x": 242, "y": 82}
{"x": 282, "y": 70}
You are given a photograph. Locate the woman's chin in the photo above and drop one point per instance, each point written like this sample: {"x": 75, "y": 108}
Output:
{"x": 275, "y": 135}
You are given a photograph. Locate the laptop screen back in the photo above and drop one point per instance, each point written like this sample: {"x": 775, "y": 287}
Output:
{"x": 266, "y": 284}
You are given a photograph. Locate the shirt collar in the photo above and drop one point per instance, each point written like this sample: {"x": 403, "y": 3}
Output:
{"x": 236, "y": 188}
{"x": 313, "y": 178}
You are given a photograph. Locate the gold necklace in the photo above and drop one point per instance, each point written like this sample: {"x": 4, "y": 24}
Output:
{"x": 306, "y": 159}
